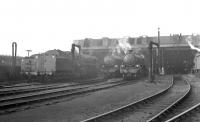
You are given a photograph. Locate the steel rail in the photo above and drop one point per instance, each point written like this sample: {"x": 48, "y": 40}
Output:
{"x": 164, "y": 112}
{"x": 52, "y": 91}
{"x": 18, "y": 85}
{"x": 35, "y": 88}
{"x": 33, "y": 99}
{"x": 184, "y": 113}
{"x": 12, "y": 91}
{"x": 4, "y": 87}
{"x": 95, "y": 118}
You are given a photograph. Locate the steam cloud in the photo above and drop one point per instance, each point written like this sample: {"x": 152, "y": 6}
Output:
{"x": 122, "y": 48}
{"x": 190, "y": 40}
{"x": 124, "y": 45}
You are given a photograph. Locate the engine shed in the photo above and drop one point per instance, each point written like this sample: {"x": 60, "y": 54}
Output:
{"x": 175, "y": 55}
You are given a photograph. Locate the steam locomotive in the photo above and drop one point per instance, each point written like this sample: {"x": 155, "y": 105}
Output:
{"x": 133, "y": 65}
{"x": 111, "y": 66}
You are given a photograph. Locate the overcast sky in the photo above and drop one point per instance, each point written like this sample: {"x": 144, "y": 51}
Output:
{"x": 41, "y": 25}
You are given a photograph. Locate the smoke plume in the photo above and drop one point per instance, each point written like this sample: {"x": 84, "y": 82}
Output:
{"x": 194, "y": 40}
{"x": 122, "y": 48}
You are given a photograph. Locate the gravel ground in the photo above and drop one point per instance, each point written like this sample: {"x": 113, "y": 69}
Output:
{"x": 153, "y": 107}
{"x": 89, "y": 105}
{"x": 195, "y": 115}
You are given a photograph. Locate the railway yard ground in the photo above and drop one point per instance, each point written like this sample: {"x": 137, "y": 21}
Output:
{"x": 188, "y": 110}
{"x": 19, "y": 83}
{"x": 83, "y": 106}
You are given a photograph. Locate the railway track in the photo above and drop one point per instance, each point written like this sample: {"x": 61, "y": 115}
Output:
{"x": 9, "y": 103}
{"x": 50, "y": 89}
{"x": 27, "y": 85}
{"x": 33, "y": 88}
{"x": 19, "y": 85}
{"x": 164, "y": 114}
{"x": 187, "y": 110}
{"x": 188, "y": 114}
{"x": 151, "y": 108}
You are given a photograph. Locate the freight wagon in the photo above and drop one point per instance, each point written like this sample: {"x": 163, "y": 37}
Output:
{"x": 60, "y": 65}
{"x": 38, "y": 65}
